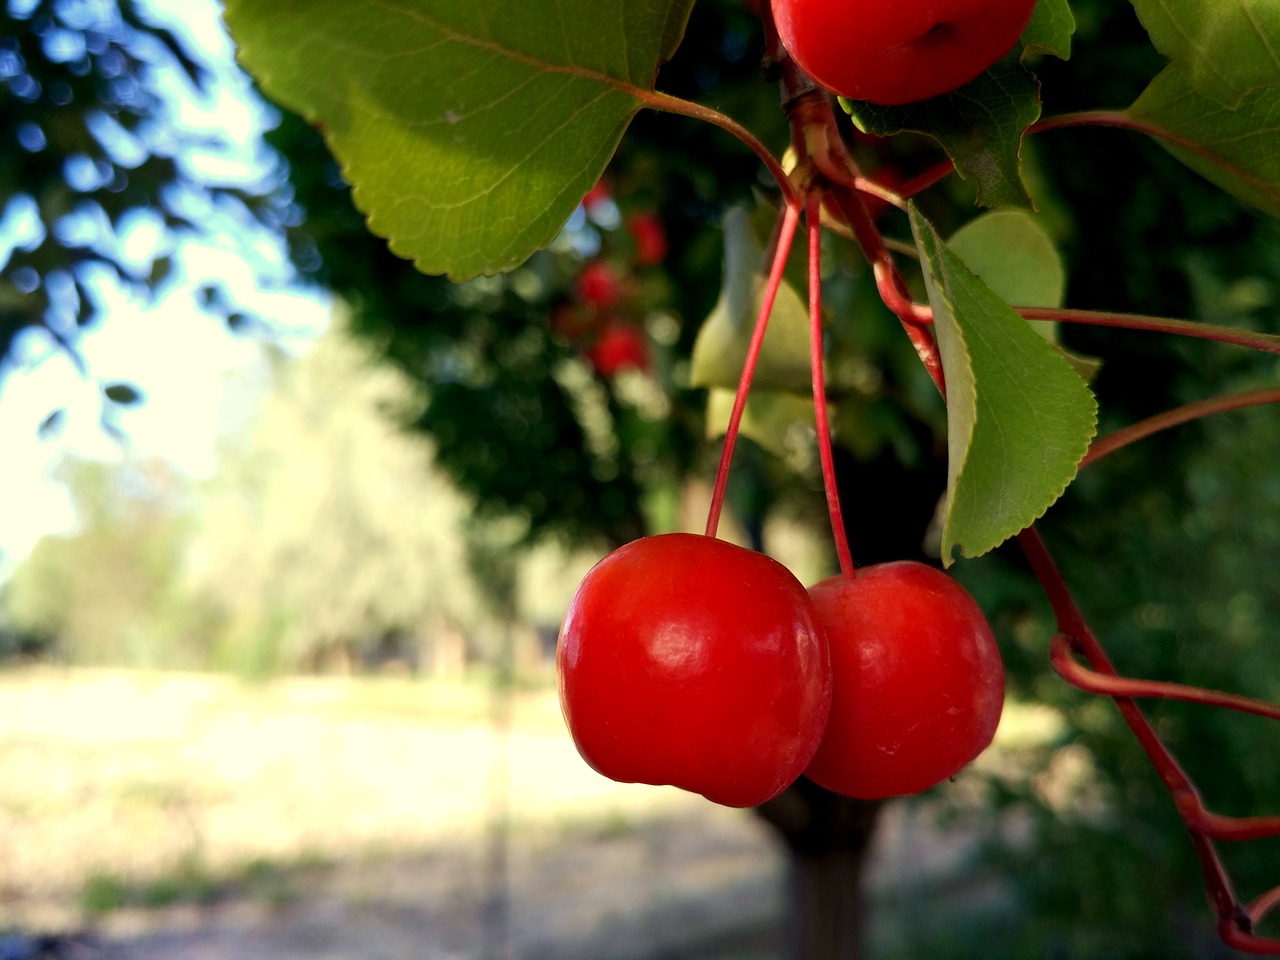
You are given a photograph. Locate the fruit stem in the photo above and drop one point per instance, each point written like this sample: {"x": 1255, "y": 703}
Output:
{"x": 668, "y": 104}
{"x": 813, "y": 217}
{"x": 923, "y": 181}
{"x": 1175, "y": 417}
{"x": 1267, "y": 342}
{"x": 915, "y": 318}
{"x": 790, "y": 218}
{"x": 1062, "y": 656}
{"x": 1235, "y": 922}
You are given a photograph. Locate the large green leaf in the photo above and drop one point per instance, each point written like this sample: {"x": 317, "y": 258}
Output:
{"x": 469, "y": 129}
{"x": 1019, "y": 418}
{"x": 1238, "y": 149}
{"x": 1226, "y": 49}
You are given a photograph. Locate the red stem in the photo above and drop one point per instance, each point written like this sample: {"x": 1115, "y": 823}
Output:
{"x": 923, "y": 181}
{"x": 1062, "y": 656}
{"x": 1172, "y": 418}
{"x": 790, "y": 218}
{"x": 813, "y": 213}
{"x": 1268, "y": 342}
{"x": 1235, "y": 924}
{"x": 915, "y": 318}
{"x": 1117, "y": 119}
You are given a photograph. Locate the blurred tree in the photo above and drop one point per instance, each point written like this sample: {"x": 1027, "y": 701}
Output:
{"x": 99, "y": 180}
{"x": 107, "y": 594}
{"x": 327, "y": 531}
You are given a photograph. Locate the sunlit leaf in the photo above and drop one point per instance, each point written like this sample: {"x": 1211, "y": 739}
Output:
{"x": 1019, "y": 418}
{"x": 1238, "y": 149}
{"x": 1226, "y": 50}
{"x": 469, "y": 130}
{"x": 1014, "y": 256}
{"x": 1050, "y": 30}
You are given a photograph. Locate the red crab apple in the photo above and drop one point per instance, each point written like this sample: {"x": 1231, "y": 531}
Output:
{"x": 898, "y": 51}
{"x": 649, "y": 236}
{"x": 690, "y": 661}
{"x": 599, "y": 285}
{"x": 619, "y": 347}
{"x": 917, "y": 683}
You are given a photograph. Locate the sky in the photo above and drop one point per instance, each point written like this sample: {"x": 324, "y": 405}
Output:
{"x": 195, "y": 376}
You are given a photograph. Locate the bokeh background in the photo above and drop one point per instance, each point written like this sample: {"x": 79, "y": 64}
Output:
{"x": 287, "y": 528}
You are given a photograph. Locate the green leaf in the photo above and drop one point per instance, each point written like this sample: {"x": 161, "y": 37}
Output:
{"x": 1019, "y": 418}
{"x": 125, "y": 394}
{"x": 771, "y": 417}
{"x": 1238, "y": 149}
{"x": 1014, "y": 256}
{"x": 469, "y": 130}
{"x": 980, "y": 126}
{"x": 1225, "y": 49}
{"x": 1050, "y": 30}
{"x": 720, "y": 349}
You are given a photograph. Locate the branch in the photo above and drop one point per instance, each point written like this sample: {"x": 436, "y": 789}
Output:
{"x": 1172, "y": 418}
{"x": 1268, "y": 342}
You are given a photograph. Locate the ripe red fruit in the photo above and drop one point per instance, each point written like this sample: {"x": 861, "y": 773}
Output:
{"x": 690, "y": 661}
{"x": 917, "y": 683}
{"x": 619, "y": 347}
{"x": 898, "y": 51}
{"x": 599, "y": 285}
{"x": 649, "y": 236}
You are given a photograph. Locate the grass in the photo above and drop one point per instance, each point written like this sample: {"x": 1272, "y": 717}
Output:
{"x": 124, "y": 796}
{"x": 123, "y": 790}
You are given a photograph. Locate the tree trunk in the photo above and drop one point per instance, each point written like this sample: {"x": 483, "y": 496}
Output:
{"x": 827, "y": 838}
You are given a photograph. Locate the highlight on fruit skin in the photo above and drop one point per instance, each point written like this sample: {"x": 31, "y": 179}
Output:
{"x": 690, "y": 661}
{"x": 893, "y": 52}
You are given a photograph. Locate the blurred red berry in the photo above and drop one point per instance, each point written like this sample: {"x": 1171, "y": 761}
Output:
{"x": 573, "y": 321}
{"x": 599, "y": 285}
{"x": 620, "y": 347}
{"x": 650, "y": 238}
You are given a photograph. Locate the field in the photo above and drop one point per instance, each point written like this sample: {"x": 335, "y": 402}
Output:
{"x": 160, "y": 816}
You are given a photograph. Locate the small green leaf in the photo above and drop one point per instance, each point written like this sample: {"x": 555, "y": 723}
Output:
{"x": 771, "y": 417}
{"x": 980, "y": 126}
{"x": 469, "y": 130}
{"x": 125, "y": 394}
{"x": 52, "y": 424}
{"x": 1019, "y": 418}
{"x": 1225, "y": 49}
{"x": 1050, "y": 30}
{"x": 1238, "y": 149}
{"x": 1014, "y": 256}
{"x": 721, "y": 345}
